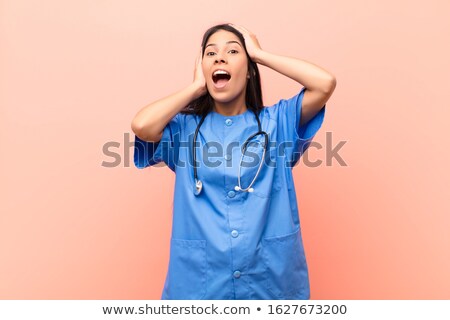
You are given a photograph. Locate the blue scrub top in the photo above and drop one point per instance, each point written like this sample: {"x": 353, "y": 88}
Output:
{"x": 229, "y": 244}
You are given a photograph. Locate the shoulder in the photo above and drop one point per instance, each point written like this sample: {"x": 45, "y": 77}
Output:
{"x": 285, "y": 107}
{"x": 285, "y": 102}
{"x": 182, "y": 120}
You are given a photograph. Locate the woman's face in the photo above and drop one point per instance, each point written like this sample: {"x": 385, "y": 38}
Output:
{"x": 225, "y": 66}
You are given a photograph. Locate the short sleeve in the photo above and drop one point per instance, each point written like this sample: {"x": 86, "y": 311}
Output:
{"x": 292, "y": 133}
{"x": 166, "y": 150}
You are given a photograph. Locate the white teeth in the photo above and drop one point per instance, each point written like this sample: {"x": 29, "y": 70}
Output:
{"x": 220, "y": 72}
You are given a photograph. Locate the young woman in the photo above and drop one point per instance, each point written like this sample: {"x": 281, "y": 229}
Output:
{"x": 236, "y": 231}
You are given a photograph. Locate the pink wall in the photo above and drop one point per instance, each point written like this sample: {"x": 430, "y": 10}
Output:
{"x": 74, "y": 75}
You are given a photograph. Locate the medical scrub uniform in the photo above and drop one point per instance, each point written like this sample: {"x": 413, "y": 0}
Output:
{"x": 229, "y": 244}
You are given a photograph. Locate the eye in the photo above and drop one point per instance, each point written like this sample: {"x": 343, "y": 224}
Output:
{"x": 233, "y": 51}
{"x": 210, "y": 53}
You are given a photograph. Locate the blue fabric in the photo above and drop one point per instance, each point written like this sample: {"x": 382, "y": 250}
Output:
{"x": 228, "y": 244}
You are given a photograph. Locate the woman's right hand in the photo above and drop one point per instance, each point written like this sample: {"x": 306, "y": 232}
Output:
{"x": 150, "y": 121}
{"x": 199, "y": 77}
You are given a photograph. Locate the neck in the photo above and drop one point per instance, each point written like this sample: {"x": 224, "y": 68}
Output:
{"x": 231, "y": 108}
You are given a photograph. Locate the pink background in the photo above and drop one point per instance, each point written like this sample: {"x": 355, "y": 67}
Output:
{"x": 74, "y": 74}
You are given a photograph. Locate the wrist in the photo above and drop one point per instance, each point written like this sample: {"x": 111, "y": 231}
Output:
{"x": 258, "y": 56}
{"x": 198, "y": 89}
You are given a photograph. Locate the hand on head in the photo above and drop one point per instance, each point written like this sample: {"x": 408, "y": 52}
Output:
{"x": 251, "y": 42}
{"x": 199, "y": 77}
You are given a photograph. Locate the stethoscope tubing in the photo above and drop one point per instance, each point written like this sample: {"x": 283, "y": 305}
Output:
{"x": 198, "y": 183}
{"x": 244, "y": 148}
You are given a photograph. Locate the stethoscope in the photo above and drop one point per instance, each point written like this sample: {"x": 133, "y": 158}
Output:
{"x": 198, "y": 183}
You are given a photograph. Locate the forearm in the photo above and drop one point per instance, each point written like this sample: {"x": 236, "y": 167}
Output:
{"x": 150, "y": 121}
{"x": 307, "y": 74}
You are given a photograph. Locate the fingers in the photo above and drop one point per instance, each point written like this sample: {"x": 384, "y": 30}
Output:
{"x": 241, "y": 29}
{"x": 198, "y": 72}
{"x": 199, "y": 57}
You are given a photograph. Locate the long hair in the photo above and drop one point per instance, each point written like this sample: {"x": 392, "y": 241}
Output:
{"x": 253, "y": 93}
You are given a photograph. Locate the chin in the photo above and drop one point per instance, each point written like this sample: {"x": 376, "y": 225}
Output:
{"x": 221, "y": 97}
{"x": 224, "y": 96}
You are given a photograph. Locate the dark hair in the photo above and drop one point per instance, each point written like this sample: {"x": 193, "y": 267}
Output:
{"x": 253, "y": 93}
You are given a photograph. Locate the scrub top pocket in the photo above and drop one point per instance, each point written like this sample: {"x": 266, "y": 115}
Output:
{"x": 286, "y": 273}
{"x": 186, "y": 278}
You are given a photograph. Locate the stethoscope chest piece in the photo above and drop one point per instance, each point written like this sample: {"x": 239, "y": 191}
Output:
{"x": 198, "y": 187}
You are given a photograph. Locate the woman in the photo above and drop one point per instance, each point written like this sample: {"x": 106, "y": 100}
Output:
{"x": 236, "y": 231}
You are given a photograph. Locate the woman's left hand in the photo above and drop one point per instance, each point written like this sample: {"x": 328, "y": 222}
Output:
{"x": 251, "y": 42}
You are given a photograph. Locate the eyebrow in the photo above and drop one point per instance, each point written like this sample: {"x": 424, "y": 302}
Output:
{"x": 228, "y": 42}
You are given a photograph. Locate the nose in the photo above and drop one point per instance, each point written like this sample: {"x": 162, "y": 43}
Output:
{"x": 219, "y": 59}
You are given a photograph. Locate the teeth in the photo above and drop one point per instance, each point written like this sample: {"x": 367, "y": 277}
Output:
{"x": 220, "y": 72}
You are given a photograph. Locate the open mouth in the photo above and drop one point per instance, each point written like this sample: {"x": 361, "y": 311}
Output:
{"x": 221, "y": 78}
